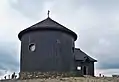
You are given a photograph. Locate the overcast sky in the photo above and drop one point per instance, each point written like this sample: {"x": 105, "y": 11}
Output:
{"x": 96, "y": 23}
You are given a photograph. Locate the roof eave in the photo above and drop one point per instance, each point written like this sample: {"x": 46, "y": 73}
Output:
{"x": 46, "y": 28}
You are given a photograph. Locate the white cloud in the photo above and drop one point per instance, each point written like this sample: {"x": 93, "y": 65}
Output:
{"x": 10, "y": 26}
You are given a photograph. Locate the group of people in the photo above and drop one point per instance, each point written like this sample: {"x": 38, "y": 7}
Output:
{"x": 14, "y": 76}
{"x": 100, "y": 75}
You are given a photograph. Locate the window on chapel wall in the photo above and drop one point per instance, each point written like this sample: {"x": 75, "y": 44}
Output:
{"x": 32, "y": 47}
{"x": 78, "y": 68}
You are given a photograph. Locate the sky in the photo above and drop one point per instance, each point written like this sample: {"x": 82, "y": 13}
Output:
{"x": 94, "y": 21}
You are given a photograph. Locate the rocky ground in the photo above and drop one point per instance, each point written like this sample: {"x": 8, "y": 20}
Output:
{"x": 69, "y": 79}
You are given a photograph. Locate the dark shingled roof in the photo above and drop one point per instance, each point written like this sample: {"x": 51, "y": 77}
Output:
{"x": 48, "y": 24}
{"x": 81, "y": 56}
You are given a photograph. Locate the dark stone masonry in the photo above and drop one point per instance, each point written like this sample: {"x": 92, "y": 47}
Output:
{"x": 41, "y": 75}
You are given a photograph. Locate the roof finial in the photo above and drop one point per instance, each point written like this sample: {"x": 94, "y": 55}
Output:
{"x": 48, "y": 13}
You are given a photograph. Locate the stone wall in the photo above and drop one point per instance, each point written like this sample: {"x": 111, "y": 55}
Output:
{"x": 70, "y": 79}
{"x": 36, "y": 75}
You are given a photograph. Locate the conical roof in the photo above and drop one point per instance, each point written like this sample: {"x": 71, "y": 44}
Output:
{"x": 47, "y": 24}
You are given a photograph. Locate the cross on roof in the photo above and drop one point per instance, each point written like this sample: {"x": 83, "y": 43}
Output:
{"x": 48, "y": 13}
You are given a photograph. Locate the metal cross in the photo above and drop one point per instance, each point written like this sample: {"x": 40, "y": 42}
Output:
{"x": 48, "y": 13}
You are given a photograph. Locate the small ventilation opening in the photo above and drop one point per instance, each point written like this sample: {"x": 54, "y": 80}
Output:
{"x": 58, "y": 41}
{"x": 73, "y": 49}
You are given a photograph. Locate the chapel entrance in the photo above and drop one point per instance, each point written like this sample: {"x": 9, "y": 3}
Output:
{"x": 85, "y": 70}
